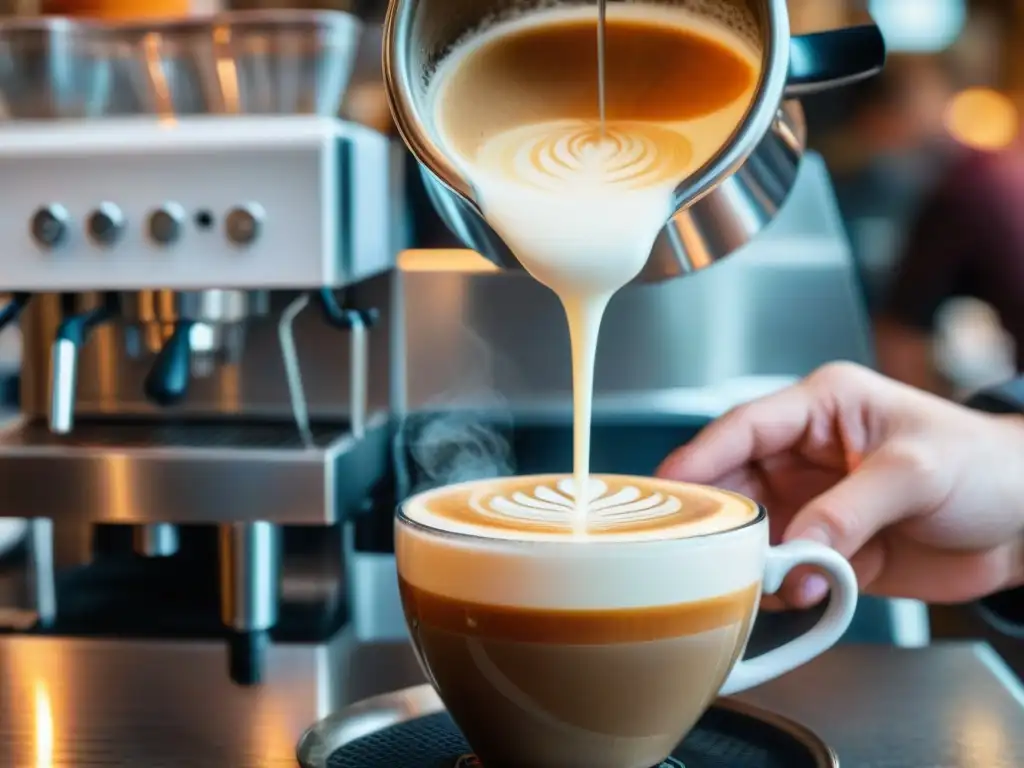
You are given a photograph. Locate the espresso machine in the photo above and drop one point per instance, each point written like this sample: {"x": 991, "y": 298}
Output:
{"x": 198, "y": 253}
{"x": 233, "y": 367}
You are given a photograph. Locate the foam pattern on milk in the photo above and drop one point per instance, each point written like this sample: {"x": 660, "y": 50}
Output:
{"x": 550, "y": 500}
{"x": 663, "y": 566}
{"x": 575, "y": 156}
{"x": 557, "y": 504}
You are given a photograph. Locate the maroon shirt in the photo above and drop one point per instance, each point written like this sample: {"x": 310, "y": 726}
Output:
{"x": 968, "y": 240}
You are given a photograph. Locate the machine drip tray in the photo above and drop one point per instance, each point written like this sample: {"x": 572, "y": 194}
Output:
{"x": 411, "y": 729}
{"x": 119, "y": 470}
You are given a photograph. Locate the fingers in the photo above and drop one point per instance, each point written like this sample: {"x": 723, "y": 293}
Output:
{"x": 748, "y": 433}
{"x": 890, "y": 485}
{"x": 805, "y": 588}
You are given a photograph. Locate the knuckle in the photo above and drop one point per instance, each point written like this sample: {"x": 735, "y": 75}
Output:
{"x": 839, "y": 374}
{"x": 842, "y": 524}
{"x": 741, "y": 413}
{"x": 915, "y": 461}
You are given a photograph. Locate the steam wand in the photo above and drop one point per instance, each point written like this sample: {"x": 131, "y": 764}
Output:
{"x": 71, "y": 336}
{"x": 357, "y": 322}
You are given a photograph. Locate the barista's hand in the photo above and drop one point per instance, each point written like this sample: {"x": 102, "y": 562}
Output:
{"x": 926, "y": 498}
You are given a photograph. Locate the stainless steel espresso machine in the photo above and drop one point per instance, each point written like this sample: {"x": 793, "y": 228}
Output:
{"x": 194, "y": 243}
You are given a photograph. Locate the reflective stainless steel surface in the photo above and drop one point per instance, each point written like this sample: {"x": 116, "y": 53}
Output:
{"x": 720, "y": 207}
{"x": 250, "y": 561}
{"x": 214, "y": 306}
{"x": 64, "y": 364}
{"x": 107, "y": 704}
{"x": 157, "y": 540}
{"x": 41, "y": 576}
{"x": 323, "y": 186}
{"x": 178, "y": 235}
{"x": 286, "y": 61}
{"x": 781, "y": 306}
{"x": 282, "y": 62}
{"x": 138, "y": 472}
{"x": 53, "y": 69}
{"x": 247, "y": 62}
{"x": 363, "y": 718}
{"x": 452, "y": 327}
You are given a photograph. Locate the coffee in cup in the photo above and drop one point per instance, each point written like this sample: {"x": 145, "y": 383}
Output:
{"x": 556, "y": 647}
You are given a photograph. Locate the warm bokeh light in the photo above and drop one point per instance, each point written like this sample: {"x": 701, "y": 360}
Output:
{"x": 444, "y": 260}
{"x": 44, "y": 725}
{"x": 982, "y": 119}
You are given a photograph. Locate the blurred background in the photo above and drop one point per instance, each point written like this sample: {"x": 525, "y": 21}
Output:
{"x": 927, "y": 165}
{"x": 927, "y": 162}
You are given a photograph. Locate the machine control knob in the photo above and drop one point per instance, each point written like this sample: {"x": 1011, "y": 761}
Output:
{"x": 243, "y": 224}
{"x": 106, "y": 224}
{"x": 49, "y": 226}
{"x": 167, "y": 223}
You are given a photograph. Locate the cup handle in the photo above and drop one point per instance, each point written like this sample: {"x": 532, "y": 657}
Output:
{"x": 822, "y": 636}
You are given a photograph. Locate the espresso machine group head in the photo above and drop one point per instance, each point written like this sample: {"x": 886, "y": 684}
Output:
{"x": 174, "y": 195}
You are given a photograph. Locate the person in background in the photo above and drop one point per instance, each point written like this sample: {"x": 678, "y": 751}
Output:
{"x": 967, "y": 241}
{"x": 884, "y": 145}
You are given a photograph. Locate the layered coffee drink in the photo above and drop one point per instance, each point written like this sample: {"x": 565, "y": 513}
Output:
{"x": 578, "y": 621}
{"x": 575, "y": 162}
{"x": 552, "y": 652}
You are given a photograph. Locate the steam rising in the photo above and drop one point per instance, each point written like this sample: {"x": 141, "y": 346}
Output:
{"x": 464, "y": 433}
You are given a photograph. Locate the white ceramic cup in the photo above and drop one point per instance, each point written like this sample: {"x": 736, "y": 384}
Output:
{"x": 522, "y": 633}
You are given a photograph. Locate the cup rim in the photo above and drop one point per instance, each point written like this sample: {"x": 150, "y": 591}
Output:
{"x": 402, "y": 518}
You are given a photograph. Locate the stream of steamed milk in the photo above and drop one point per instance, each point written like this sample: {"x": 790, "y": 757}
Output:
{"x": 580, "y": 200}
{"x": 602, "y": 16}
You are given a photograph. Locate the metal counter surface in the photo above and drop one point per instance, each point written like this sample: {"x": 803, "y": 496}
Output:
{"x": 73, "y": 703}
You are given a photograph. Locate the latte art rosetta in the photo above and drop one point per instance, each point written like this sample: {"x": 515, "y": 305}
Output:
{"x": 544, "y": 507}
{"x": 556, "y": 504}
{"x": 552, "y": 155}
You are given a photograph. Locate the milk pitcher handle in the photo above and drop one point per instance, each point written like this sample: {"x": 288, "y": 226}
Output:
{"x": 822, "y": 636}
{"x": 825, "y": 60}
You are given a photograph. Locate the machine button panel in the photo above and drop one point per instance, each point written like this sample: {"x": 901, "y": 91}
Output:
{"x": 49, "y": 226}
{"x": 105, "y": 225}
{"x": 166, "y": 224}
{"x": 242, "y": 225}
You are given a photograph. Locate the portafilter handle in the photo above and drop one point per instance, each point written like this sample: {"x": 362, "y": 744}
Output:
{"x": 167, "y": 382}
{"x": 71, "y": 335}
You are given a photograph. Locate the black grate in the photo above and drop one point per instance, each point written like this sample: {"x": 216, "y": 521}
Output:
{"x": 722, "y": 739}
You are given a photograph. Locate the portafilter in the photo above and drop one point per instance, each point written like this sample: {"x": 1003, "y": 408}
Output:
{"x": 718, "y": 208}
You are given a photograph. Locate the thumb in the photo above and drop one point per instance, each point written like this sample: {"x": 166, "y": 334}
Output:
{"x": 890, "y": 485}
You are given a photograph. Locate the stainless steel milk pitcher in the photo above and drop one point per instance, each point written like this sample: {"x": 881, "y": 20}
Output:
{"x": 720, "y": 207}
